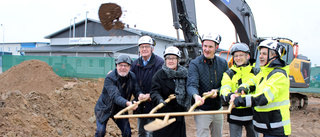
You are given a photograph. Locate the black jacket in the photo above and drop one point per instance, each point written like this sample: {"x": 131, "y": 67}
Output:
{"x": 162, "y": 87}
{"x": 116, "y": 92}
{"x": 144, "y": 76}
{"x": 204, "y": 76}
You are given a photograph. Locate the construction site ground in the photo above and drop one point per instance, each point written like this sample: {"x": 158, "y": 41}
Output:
{"x": 36, "y": 102}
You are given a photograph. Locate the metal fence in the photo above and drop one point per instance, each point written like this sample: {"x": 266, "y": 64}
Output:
{"x": 80, "y": 67}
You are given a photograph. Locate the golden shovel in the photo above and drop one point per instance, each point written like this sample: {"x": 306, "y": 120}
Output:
{"x": 158, "y": 123}
{"x": 130, "y": 107}
{"x": 205, "y": 96}
{"x": 171, "y": 96}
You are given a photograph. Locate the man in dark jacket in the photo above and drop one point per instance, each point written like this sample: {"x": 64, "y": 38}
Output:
{"x": 119, "y": 86}
{"x": 144, "y": 68}
{"x": 205, "y": 74}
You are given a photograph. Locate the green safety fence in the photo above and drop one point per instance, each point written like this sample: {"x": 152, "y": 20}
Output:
{"x": 98, "y": 67}
{"x": 80, "y": 67}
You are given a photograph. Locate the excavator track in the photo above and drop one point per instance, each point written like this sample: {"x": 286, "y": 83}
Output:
{"x": 298, "y": 101}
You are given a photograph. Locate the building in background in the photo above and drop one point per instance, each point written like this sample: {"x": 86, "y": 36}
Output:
{"x": 98, "y": 42}
{"x": 72, "y": 53}
{"x": 14, "y": 48}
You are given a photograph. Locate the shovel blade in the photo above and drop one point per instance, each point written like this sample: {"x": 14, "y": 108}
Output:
{"x": 158, "y": 124}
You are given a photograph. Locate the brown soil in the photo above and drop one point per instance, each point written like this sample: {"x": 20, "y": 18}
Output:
{"x": 29, "y": 76}
{"x": 109, "y": 14}
{"x": 36, "y": 102}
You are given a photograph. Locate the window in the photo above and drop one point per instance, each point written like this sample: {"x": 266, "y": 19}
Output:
{"x": 288, "y": 57}
{"x": 78, "y": 62}
{"x": 101, "y": 63}
{"x": 90, "y": 62}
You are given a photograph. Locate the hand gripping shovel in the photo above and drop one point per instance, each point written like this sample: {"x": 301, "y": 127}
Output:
{"x": 171, "y": 96}
{"x": 130, "y": 107}
{"x": 205, "y": 96}
{"x": 158, "y": 123}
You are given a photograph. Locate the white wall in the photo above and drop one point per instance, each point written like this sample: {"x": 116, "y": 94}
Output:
{"x": 12, "y": 47}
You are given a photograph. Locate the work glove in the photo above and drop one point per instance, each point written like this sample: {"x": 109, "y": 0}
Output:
{"x": 239, "y": 101}
{"x": 227, "y": 98}
{"x": 246, "y": 91}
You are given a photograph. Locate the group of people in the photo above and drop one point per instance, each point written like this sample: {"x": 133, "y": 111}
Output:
{"x": 260, "y": 95}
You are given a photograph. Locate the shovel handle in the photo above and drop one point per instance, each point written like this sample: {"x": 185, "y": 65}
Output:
{"x": 156, "y": 108}
{"x": 231, "y": 106}
{"x": 131, "y": 106}
{"x": 160, "y": 105}
{"x": 173, "y": 114}
{"x": 206, "y": 95}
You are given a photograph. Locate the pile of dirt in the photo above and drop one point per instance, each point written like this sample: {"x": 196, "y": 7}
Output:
{"x": 34, "y": 101}
{"x": 32, "y": 75}
{"x": 109, "y": 14}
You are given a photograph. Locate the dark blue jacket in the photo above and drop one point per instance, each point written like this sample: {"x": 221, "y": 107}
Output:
{"x": 116, "y": 92}
{"x": 144, "y": 76}
{"x": 203, "y": 77}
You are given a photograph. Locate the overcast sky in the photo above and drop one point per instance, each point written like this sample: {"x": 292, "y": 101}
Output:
{"x": 32, "y": 20}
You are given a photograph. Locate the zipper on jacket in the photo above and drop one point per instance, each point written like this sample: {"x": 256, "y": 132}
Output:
{"x": 215, "y": 72}
{"x": 210, "y": 75}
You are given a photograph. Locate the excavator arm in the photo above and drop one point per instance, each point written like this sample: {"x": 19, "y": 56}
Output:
{"x": 238, "y": 11}
{"x": 184, "y": 18}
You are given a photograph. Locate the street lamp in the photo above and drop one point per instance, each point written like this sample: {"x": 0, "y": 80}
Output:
{"x": 85, "y": 25}
{"x": 2, "y": 39}
{"x": 70, "y": 28}
{"x": 74, "y": 26}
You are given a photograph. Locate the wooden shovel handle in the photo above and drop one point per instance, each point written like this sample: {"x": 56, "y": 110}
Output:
{"x": 171, "y": 96}
{"x": 231, "y": 106}
{"x": 173, "y": 114}
{"x": 206, "y": 95}
{"x": 131, "y": 106}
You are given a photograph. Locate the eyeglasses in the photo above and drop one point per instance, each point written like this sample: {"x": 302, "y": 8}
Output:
{"x": 171, "y": 59}
{"x": 145, "y": 47}
{"x": 240, "y": 55}
{"x": 123, "y": 65}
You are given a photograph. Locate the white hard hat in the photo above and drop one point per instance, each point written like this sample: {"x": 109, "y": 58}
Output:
{"x": 211, "y": 36}
{"x": 146, "y": 40}
{"x": 172, "y": 51}
{"x": 274, "y": 45}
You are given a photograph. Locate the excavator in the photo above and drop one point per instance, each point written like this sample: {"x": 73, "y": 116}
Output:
{"x": 240, "y": 14}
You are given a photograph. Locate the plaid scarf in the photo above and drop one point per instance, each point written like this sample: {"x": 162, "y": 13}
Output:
{"x": 179, "y": 76}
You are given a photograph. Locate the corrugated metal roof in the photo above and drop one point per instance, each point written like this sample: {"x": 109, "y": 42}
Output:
{"x": 100, "y": 48}
{"x": 132, "y": 30}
